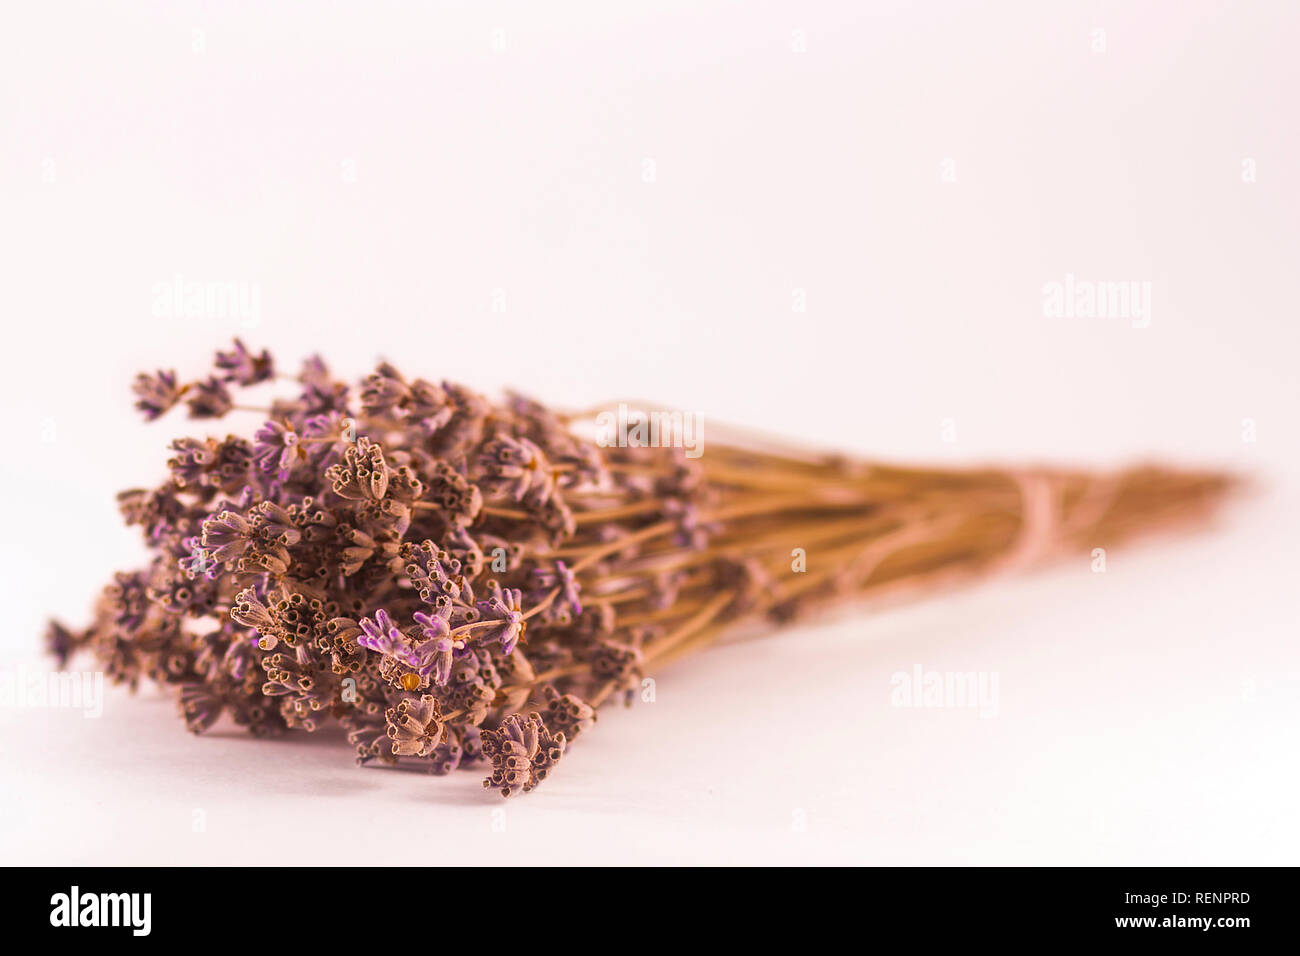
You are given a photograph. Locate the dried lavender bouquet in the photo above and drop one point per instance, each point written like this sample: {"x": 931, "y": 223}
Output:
{"x": 460, "y": 583}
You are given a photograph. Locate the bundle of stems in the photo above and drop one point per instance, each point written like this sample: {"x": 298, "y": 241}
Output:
{"x": 460, "y": 583}
{"x": 806, "y": 530}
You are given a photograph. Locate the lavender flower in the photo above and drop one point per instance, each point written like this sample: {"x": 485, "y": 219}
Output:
{"x": 199, "y": 562}
{"x": 227, "y": 536}
{"x": 380, "y": 634}
{"x": 415, "y": 726}
{"x": 522, "y": 752}
{"x": 209, "y": 399}
{"x": 504, "y": 619}
{"x": 514, "y": 467}
{"x": 559, "y": 577}
{"x": 315, "y": 373}
{"x": 352, "y": 509}
{"x": 192, "y": 462}
{"x": 157, "y": 393}
{"x": 428, "y": 406}
{"x": 432, "y": 658}
{"x": 384, "y": 390}
{"x": 276, "y": 448}
{"x": 200, "y": 706}
{"x": 362, "y": 474}
{"x": 242, "y": 366}
{"x": 568, "y": 713}
{"x": 60, "y": 643}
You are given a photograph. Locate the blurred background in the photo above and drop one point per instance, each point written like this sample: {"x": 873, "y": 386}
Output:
{"x": 839, "y": 222}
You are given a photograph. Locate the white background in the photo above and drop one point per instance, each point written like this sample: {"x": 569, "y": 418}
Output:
{"x": 379, "y": 169}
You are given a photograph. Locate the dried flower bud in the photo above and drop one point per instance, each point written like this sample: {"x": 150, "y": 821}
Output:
{"x": 522, "y": 751}
{"x": 209, "y": 399}
{"x": 242, "y": 366}
{"x": 158, "y": 393}
{"x": 362, "y": 474}
{"x": 415, "y": 726}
